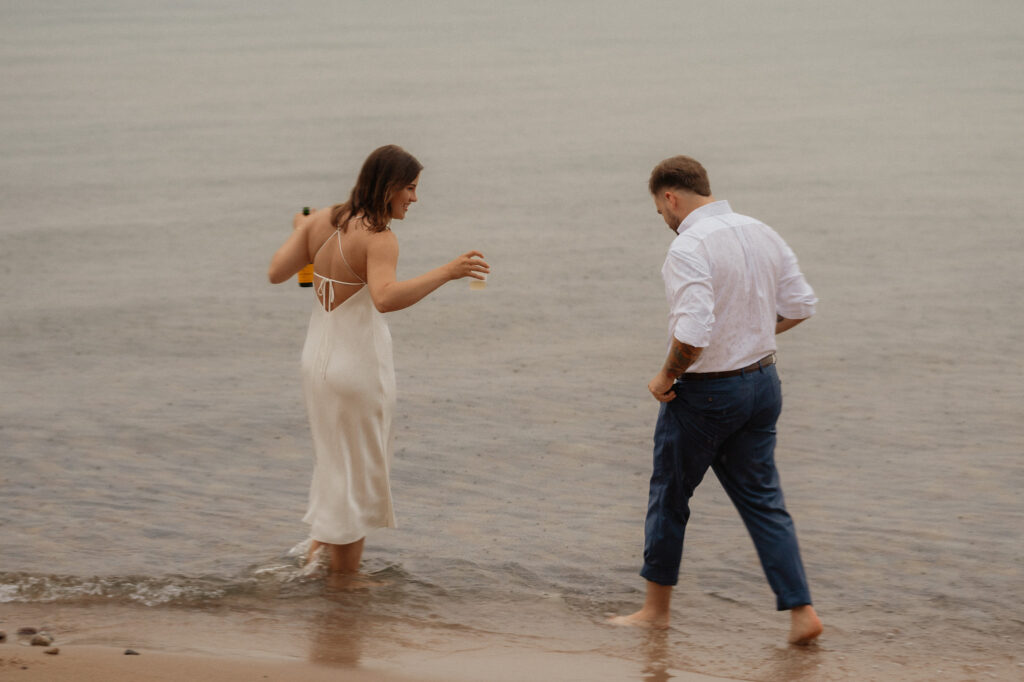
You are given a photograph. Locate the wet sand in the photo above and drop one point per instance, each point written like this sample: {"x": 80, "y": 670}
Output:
{"x": 105, "y": 664}
{"x": 695, "y": 649}
{"x": 220, "y": 649}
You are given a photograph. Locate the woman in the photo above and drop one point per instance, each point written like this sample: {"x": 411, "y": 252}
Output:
{"x": 347, "y": 368}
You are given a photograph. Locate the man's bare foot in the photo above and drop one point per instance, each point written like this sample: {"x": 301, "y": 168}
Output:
{"x": 655, "y": 611}
{"x": 643, "y": 618}
{"x": 806, "y": 626}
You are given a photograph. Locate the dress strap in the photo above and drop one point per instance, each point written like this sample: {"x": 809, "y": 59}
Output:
{"x": 322, "y": 247}
{"x": 324, "y": 292}
{"x": 345, "y": 260}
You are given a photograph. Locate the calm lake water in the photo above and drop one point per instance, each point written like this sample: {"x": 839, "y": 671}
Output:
{"x": 154, "y": 451}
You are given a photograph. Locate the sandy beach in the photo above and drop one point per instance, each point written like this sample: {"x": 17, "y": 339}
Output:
{"x": 236, "y": 644}
{"x": 218, "y": 650}
{"x": 104, "y": 664}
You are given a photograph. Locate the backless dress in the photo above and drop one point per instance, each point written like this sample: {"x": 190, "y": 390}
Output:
{"x": 349, "y": 385}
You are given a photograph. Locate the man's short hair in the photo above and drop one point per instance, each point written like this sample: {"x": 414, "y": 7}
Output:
{"x": 680, "y": 172}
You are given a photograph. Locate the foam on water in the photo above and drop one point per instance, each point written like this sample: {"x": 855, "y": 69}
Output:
{"x": 171, "y": 590}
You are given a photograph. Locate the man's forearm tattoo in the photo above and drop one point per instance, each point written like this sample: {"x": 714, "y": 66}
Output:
{"x": 680, "y": 357}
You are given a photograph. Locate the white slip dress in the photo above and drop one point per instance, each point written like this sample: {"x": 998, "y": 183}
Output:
{"x": 349, "y": 384}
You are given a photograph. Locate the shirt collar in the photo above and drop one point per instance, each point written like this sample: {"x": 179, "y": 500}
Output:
{"x": 705, "y": 211}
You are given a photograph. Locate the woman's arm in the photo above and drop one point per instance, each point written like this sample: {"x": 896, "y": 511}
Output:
{"x": 294, "y": 253}
{"x": 389, "y": 294}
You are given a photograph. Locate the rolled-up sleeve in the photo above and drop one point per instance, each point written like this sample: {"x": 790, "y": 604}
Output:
{"x": 794, "y": 298}
{"x": 691, "y": 297}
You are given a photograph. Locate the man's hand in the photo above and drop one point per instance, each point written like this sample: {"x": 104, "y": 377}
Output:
{"x": 680, "y": 356}
{"x": 661, "y": 387}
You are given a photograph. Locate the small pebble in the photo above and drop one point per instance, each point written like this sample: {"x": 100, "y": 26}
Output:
{"x": 27, "y": 631}
{"x": 53, "y": 651}
{"x": 131, "y": 652}
{"x": 42, "y": 639}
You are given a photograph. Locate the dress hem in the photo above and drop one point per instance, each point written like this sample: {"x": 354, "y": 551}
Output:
{"x": 348, "y": 539}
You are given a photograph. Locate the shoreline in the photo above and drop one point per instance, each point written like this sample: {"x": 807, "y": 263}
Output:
{"x": 100, "y": 663}
{"x": 229, "y": 647}
{"x": 343, "y": 639}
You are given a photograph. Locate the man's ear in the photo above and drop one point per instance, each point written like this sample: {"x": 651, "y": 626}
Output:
{"x": 671, "y": 200}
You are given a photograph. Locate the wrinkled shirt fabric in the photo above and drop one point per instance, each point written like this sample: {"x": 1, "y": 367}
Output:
{"x": 726, "y": 277}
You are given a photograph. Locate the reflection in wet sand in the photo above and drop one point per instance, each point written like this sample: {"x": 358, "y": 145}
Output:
{"x": 656, "y": 656}
{"x": 794, "y": 664}
{"x": 336, "y": 637}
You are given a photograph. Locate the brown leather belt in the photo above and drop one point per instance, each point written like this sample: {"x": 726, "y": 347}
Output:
{"x": 766, "y": 361}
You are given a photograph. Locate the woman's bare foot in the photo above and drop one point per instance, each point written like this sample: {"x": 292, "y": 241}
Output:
{"x": 314, "y": 545}
{"x": 352, "y": 581}
{"x": 345, "y": 559}
{"x": 643, "y": 618}
{"x": 806, "y": 626}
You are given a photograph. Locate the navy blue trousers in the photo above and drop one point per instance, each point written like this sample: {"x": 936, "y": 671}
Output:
{"x": 728, "y": 425}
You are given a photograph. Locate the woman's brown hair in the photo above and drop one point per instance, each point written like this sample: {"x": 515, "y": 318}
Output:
{"x": 386, "y": 170}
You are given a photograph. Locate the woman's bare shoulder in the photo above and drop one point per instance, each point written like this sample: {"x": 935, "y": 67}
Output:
{"x": 381, "y": 245}
{"x": 381, "y": 237}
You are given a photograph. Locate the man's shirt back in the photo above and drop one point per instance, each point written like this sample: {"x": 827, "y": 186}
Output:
{"x": 726, "y": 277}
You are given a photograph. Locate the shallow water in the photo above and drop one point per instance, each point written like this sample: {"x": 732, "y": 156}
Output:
{"x": 153, "y": 446}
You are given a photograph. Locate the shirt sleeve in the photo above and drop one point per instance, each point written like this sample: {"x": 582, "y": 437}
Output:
{"x": 691, "y": 297}
{"x": 794, "y": 298}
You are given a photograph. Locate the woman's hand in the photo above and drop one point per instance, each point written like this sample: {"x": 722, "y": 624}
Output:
{"x": 469, "y": 264}
{"x": 389, "y": 294}
{"x": 294, "y": 253}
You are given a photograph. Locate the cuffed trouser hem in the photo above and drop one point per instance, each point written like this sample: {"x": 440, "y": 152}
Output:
{"x": 785, "y": 602}
{"x": 661, "y": 576}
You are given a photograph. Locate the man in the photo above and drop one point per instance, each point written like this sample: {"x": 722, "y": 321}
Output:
{"x": 732, "y": 285}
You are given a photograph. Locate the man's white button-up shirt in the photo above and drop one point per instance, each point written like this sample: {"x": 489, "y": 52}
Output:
{"x": 726, "y": 277}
